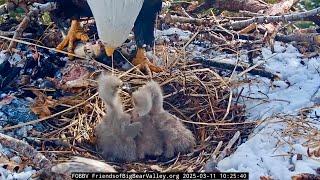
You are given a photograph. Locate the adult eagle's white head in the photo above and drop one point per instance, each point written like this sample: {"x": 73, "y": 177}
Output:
{"x": 114, "y": 19}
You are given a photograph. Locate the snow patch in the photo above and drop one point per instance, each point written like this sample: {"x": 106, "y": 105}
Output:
{"x": 296, "y": 89}
{"x": 267, "y": 152}
{"x": 165, "y": 34}
{"x": 263, "y": 155}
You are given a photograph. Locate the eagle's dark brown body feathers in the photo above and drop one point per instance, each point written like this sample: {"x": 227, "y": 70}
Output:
{"x": 144, "y": 25}
{"x": 71, "y": 9}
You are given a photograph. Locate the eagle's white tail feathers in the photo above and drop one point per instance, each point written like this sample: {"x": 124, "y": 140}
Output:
{"x": 115, "y": 19}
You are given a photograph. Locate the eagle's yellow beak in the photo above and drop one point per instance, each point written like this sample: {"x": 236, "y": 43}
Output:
{"x": 109, "y": 51}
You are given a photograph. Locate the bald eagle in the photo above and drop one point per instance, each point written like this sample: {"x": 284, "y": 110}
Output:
{"x": 143, "y": 25}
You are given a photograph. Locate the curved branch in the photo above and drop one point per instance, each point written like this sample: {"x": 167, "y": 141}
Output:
{"x": 271, "y": 19}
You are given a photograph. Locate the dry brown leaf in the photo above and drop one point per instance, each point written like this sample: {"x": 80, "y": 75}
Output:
{"x": 71, "y": 101}
{"x": 92, "y": 139}
{"x": 248, "y": 29}
{"x": 43, "y": 104}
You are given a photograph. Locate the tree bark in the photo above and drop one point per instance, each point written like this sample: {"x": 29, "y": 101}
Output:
{"x": 232, "y": 5}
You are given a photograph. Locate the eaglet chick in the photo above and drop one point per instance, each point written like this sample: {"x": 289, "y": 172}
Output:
{"x": 149, "y": 142}
{"x": 176, "y": 137}
{"x": 115, "y": 133}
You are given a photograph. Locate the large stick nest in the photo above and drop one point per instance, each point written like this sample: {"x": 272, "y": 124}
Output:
{"x": 199, "y": 96}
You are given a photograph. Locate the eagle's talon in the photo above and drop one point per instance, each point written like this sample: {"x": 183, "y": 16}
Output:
{"x": 143, "y": 62}
{"x": 75, "y": 33}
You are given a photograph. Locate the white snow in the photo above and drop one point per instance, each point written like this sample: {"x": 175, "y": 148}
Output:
{"x": 304, "y": 82}
{"x": 267, "y": 152}
{"x": 164, "y": 35}
{"x": 173, "y": 31}
{"x": 262, "y": 155}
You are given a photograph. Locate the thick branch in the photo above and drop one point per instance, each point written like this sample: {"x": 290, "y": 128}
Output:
{"x": 25, "y": 149}
{"x": 312, "y": 38}
{"x": 232, "y": 5}
{"x": 271, "y": 19}
{"x": 236, "y": 5}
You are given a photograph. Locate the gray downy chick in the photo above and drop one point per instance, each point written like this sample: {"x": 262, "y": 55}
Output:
{"x": 115, "y": 133}
{"x": 149, "y": 142}
{"x": 176, "y": 137}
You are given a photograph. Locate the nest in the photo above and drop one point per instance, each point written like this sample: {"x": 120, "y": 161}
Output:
{"x": 199, "y": 96}
{"x": 203, "y": 99}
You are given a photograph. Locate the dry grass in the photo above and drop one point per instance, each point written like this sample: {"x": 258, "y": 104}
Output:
{"x": 301, "y": 128}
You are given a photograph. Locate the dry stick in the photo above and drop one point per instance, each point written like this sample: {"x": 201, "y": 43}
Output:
{"x": 25, "y": 149}
{"x": 44, "y": 47}
{"x": 250, "y": 68}
{"x": 211, "y": 165}
{"x": 38, "y": 8}
{"x": 220, "y": 124}
{"x": 232, "y": 5}
{"x": 229, "y": 106}
{"x": 216, "y": 151}
{"x": 175, "y": 18}
{"x": 213, "y": 162}
{"x": 271, "y": 19}
{"x": 81, "y": 164}
{"x": 228, "y": 66}
{"x": 226, "y": 150}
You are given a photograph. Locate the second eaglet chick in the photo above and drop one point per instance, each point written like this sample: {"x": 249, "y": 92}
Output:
{"x": 115, "y": 133}
{"x": 149, "y": 142}
{"x": 176, "y": 137}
